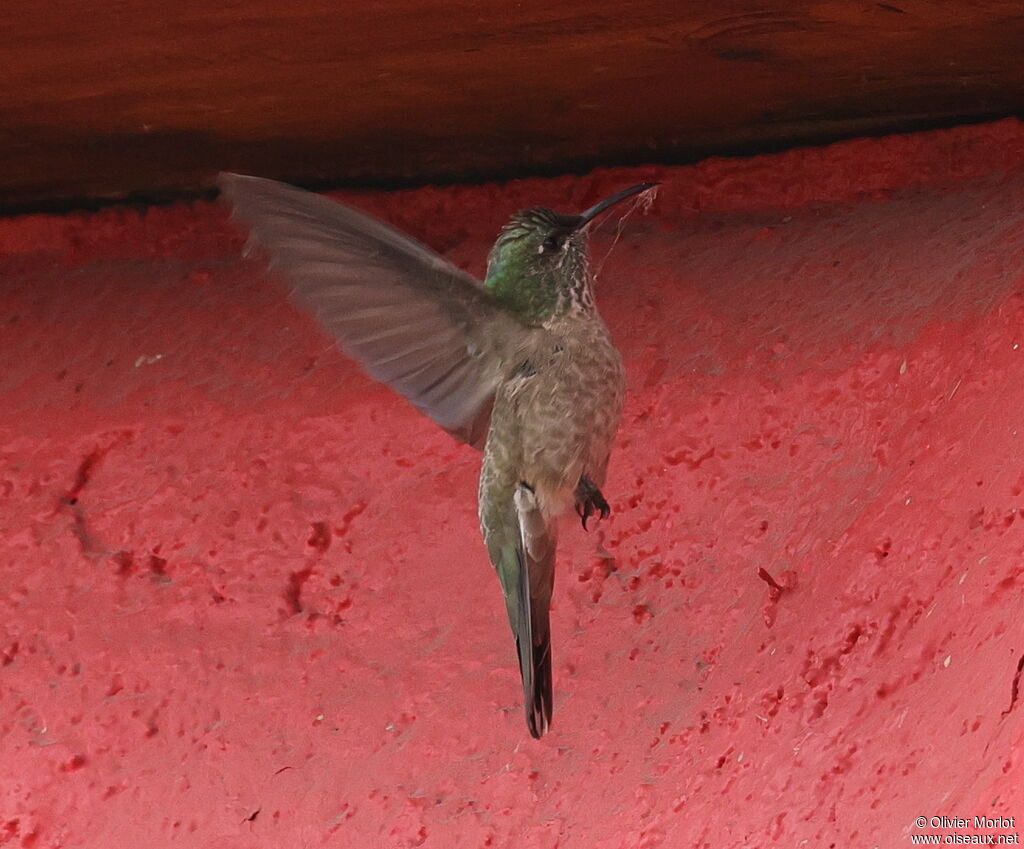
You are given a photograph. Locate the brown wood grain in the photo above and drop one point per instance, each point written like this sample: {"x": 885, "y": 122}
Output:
{"x": 108, "y": 98}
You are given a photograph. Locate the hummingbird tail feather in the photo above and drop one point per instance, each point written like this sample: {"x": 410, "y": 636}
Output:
{"x": 539, "y": 701}
{"x": 536, "y": 552}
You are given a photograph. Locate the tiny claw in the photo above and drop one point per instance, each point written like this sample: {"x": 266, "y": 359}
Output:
{"x": 585, "y": 511}
{"x": 589, "y": 500}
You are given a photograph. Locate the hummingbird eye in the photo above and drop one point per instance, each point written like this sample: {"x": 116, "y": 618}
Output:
{"x": 552, "y": 244}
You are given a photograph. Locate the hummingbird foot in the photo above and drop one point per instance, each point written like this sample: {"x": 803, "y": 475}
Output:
{"x": 589, "y": 501}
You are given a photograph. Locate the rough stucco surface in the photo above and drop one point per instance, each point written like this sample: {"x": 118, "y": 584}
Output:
{"x": 244, "y": 602}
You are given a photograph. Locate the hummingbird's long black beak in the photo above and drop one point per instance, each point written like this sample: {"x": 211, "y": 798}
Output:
{"x": 607, "y": 203}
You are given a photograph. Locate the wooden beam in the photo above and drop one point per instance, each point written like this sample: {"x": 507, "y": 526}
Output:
{"x": 115, "y": 97}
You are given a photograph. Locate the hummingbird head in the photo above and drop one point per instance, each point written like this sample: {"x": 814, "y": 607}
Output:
{"x": 538, "y": 266}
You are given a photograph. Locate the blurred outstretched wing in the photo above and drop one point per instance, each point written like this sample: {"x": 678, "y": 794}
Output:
{"x": 411, "y": 318}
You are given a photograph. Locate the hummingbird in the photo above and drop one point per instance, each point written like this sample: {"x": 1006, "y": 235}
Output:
{"x": 520, "y": 365}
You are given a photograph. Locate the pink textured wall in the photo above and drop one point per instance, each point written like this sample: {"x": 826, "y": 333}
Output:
{"x": 244, "y": 602}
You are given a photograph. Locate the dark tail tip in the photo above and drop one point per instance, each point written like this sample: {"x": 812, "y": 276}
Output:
{"x": 539, "y": 703}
